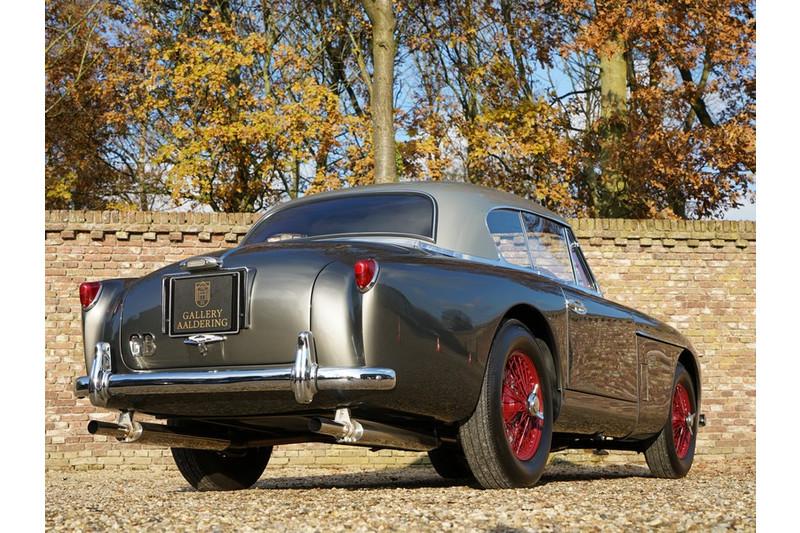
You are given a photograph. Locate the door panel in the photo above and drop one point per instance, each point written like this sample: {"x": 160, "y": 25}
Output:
{"x": 603, "y": 355}
{"x": 588, "y": 414}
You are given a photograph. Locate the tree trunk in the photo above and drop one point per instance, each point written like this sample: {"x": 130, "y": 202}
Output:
{"x": 142, "y": 171}
{"x": 470, "y": 97}
{"x": 614, "y": 81}
{"x": 613, "y": 112}
{"x": 381, "y": 15}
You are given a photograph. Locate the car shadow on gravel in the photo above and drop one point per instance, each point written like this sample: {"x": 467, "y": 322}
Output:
{"x": 419, "y": 476}
{"x": 405, "y": 478}
{"x": 566, "y": 471}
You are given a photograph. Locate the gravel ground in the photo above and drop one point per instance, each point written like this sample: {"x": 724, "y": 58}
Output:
{"x": 569, "y": 497}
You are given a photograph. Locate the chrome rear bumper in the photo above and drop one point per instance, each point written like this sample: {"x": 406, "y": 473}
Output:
{"x": 305, "y": 378}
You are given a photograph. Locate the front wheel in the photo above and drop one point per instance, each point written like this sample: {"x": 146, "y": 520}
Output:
{"x": 672, "y": 453}
{"x": 507, "y": 439}
{"x": 212, "y": 470}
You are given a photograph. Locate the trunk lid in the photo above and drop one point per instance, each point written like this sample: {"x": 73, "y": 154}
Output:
{"x": 276, "y": 281}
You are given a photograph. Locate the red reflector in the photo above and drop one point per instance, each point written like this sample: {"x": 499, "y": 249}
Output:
{"x": 89, "y": 292}
{"x": 366, "y": 271}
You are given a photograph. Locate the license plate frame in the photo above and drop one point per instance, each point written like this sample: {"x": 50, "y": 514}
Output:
{"x": 235, "y": 303}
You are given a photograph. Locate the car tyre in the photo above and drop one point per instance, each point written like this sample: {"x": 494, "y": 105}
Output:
{"x": 208, "y": 470}
{"x": 450, "y": 462}
{"x": 507, "y": 439}
{"x": 672, "y": 453}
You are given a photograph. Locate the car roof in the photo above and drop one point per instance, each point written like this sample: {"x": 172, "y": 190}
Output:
{"x": 461, "y": 210}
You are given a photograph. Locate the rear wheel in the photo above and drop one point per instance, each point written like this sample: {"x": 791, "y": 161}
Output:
{"x": 672, "y": 453}
{"x": 507, "y": 439}
{"x": 450, "y": 463}
{"x": 212, "y": 470}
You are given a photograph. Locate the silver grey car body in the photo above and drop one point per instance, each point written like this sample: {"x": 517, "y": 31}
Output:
{"x": 409, "y": 353}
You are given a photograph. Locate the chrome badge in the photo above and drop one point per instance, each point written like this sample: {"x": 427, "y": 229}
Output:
{"x": 135, "y": 344}
{"x": 202, "y": 293}
{"x": 148, "y": 345}
{"x": 142, "y": 345}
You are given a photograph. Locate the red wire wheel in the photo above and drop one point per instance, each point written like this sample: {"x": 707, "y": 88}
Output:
{"x": 523, "y": 406}
{"x": 682, "y": 421}
{"x": 671, "y": 453}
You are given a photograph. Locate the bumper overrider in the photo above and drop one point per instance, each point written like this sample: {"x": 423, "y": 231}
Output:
{"x": 304, "y": 378}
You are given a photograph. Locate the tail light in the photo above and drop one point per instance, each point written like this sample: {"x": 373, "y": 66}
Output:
{"x": 366, "y": 271}
{"x": 88, "y": 292}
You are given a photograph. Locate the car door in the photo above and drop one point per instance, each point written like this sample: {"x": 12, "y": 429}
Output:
{"x": 602, "y": 336}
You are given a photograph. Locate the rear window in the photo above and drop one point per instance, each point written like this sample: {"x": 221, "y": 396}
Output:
{"x": 388, "y": 214}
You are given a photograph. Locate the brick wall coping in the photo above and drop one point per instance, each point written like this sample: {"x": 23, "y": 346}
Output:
{"x": 235, "y": 225}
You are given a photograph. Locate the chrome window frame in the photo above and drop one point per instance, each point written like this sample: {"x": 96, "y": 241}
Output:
{"x": 573, "y": 243}
{"x": 502, "y": 259}
{"x": 566, "y": 231}
{"x": 530, "y": 254}
{"x": 431, "y": 248}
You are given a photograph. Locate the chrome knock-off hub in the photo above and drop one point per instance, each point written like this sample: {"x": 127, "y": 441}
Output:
{"x": 533, "y": 403}
{"x": 690, "y": 422}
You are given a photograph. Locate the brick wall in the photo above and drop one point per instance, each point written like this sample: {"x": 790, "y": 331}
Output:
{"x": 698, "y": 276}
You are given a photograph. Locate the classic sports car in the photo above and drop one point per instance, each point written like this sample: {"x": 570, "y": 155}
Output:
{"x": 437, "y": 317}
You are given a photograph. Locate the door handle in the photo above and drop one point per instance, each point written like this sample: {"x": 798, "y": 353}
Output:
{"x": 577, "y": 306}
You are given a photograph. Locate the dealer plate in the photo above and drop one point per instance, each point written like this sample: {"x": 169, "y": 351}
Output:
{"x": 208, "y": 303}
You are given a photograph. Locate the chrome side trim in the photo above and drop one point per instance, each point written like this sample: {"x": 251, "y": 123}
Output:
{"x": 434, "y": 249}
{"x": 305, "y": 378}
{"x": 499, "y": 263}
{"x": 652, "y": 337}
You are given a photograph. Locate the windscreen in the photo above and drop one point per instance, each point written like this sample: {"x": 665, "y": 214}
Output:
{"x": 387, "y": 213}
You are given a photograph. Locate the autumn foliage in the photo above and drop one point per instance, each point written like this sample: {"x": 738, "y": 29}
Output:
{"x": 636, "y": 108}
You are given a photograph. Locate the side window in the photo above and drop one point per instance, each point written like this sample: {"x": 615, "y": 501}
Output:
{"x": 506, "y": 230}
{"x": 549, "y": 249}
{"x": 582, "y": 273}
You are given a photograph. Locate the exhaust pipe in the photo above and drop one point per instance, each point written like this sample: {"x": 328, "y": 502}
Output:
{"x": 344, "y": 429}
{"x": 365, "y": 433}
{"x": 126, "y": 430}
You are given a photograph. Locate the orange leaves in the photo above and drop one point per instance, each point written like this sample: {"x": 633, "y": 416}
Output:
{"x": 519, "y": 147}
{"x": 235, "y": 105}
{"x": 243, "y": 118}
{"x": 682, "y": 145}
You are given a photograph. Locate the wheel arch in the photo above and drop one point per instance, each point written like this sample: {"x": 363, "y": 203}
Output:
{"x": 535, "y": 321}
{"x": 689, "y": 361}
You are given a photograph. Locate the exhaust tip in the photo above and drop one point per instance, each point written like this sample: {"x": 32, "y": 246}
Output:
{"x": 92, "y": 427}
{"x": 314, "y": 425}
